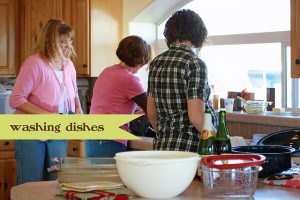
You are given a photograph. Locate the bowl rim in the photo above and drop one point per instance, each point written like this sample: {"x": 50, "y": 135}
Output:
{"x": 143, "y": 157}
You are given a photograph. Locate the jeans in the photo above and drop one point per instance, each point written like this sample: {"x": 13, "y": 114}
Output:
{"x": 103, "y": 148}
{"x": 34, "y": 157}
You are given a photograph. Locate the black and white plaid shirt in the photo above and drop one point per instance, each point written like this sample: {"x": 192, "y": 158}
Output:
{"x": 176, "y": 76}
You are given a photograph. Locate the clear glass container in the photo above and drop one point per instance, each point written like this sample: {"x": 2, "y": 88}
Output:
{"x": 233, "y": 183}
{"x": 231, "y": 175}
{"x": 256, "y": 106}
{"x": 86, "y": 169}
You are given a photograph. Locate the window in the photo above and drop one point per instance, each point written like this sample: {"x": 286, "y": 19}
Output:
{"x": 227, "y": 17}
{"x": 293, "y": 85}
{"x": 251, "y": 66}
{"x": 249, "y": 47}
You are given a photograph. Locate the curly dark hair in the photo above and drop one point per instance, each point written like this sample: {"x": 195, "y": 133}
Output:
{"x": 133, "y": 50}
{"x": 185, "y": 25}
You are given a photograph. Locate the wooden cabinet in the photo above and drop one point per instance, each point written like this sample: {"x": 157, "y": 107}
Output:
{"x": 8, "y": 164}
{"x": 76, "y": 148}
{"x": 77, "y": 15}
{"x": 8, "y": 168}
{"x": 38, "y": 12}
{"x": 80, "y": 23}
{"x": 97, "y": 25}
{"x": 295, "y": 38}
{"x": 8, "y": 38}
{"x": 98, "y": 30}
{"x": 35, "y": 14}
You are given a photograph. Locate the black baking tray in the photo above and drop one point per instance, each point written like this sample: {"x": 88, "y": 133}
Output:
{"x": 289, "y": 138}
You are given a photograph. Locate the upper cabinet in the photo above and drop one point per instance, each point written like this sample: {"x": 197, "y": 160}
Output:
{"x": 8, "y": 38}
{"x": 97, "y": 25}
{"x": 295, "y": 38}
{"x": 77, "y": 15}
{"x": 98, "y": 30}
{"x": 35, "y": 15}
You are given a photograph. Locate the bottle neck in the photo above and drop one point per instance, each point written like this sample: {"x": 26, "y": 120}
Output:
{"x": 222, "y": 118}
{"x": 222, "y": 129}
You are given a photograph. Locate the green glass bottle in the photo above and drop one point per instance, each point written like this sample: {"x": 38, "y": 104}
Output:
{"x": 207, "y": 144}
{"x": 223, "y": 145}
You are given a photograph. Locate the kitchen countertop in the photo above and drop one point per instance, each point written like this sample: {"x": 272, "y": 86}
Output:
{"x": 145, "y": 143}
{"x": 286, "y": 119}
{"x": 46, "y": 190}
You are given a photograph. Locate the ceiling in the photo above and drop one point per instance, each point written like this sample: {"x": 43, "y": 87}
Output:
{"x": 159, "y": 10}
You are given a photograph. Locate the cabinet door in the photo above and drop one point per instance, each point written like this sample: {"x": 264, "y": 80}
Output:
{"x": 36, "y": 14}
{"x": 6, "y": 145}
{"x": 295, "y": 38}
{"x": 7, "y": 38}
{"x": 80, "y": 23}
{"x": 76, "y": 148}
{"x": 7, "y": 177}
{"x": 2, "y": 172}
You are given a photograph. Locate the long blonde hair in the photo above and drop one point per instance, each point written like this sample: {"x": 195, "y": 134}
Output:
{"x": 48, "y": 44}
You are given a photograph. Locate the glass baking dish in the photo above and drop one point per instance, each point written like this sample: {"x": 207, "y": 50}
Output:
{"x": 75, "y": 169}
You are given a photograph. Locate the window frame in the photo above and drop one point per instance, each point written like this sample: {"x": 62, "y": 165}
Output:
{"x": 282, "y": 37}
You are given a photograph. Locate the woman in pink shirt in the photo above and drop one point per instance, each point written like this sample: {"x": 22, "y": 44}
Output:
{"x": 46, "y": 84}
{"x": 118, "y": 91}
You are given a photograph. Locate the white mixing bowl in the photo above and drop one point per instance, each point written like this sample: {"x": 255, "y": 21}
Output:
{"x": 157, "y": 174}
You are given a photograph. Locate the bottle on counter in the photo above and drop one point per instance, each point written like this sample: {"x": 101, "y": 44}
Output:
{"x": 216, "y": 102}
{"x": 207, "y": 144}
{"x": 211, "y": 96}
{"x": 223, "y": 145}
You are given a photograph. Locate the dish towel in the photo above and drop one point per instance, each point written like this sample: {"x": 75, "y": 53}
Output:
{"x": 287, "y": 178}
{"x": 95, "y": 195}
{"x": 100, "y": 190}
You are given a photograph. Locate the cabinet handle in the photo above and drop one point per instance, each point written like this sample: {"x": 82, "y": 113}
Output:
{"x": 75, "y": 149}
{"x": 84, "y": 65}
{"x": 297, "y": 61}
{"x": 6, "y": 143}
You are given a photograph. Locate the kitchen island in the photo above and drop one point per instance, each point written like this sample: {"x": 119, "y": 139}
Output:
{"x": 47, "y": 190}
{"x": 243, "y": 124}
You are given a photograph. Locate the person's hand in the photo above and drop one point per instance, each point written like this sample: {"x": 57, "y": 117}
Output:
{"x": 141, "y": 112}
{"x": 79, "y": 111}
{"x": 214, "y": 129}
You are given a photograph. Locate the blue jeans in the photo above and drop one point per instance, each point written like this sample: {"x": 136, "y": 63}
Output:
{"x": 102, "y": 148}
{"x": 34, "y": 157}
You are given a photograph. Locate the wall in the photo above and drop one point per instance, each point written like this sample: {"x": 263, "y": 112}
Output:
{"x": 131, "y": 9}
{"x": 142, "y": 17}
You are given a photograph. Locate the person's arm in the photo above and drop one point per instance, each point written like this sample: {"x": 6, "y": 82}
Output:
{"x": 78, "y": 109}
{"x": 196, "y": 108}
{"x": 30, "y": 108}
{"x": 26, "y": 81}
{"x": 152, "y": 112}
{"x": 141, "y": 101}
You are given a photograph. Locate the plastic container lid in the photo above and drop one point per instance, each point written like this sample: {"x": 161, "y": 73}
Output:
{"x": 232, "y": 161}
